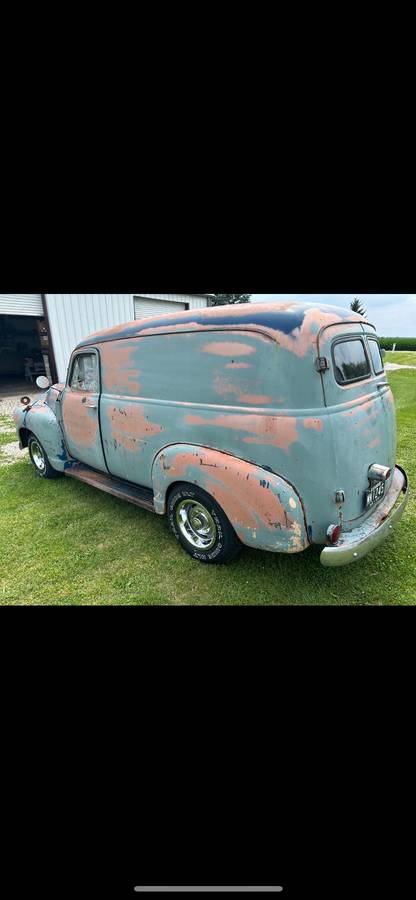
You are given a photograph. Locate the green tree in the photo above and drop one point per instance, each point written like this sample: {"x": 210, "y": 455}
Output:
{"x": 223, "y": 299}
{"x": 357, "y": 307}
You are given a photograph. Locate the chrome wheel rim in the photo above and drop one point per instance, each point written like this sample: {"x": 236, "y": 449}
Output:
{"x": 196, "y": 524}
{"x": 38, "y": 456}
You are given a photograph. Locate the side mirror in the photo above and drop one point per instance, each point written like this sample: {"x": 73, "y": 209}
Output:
{"x": 383, "y": 353}
{"x": 43, "y": 382}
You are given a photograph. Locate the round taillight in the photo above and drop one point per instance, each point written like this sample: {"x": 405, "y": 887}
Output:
{"x": 333, "y": 533}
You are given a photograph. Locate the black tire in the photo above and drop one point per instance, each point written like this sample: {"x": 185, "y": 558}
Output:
{"x": 189, "y": 507}
{"x": 40, "y": 459}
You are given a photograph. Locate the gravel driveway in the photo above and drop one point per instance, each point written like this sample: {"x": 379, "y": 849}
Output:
{"x": 8, "y": 403}
{"x": 391, "y": 367}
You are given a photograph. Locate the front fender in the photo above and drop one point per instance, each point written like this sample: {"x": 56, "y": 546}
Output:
{"x": 19, "y": 418}
{"x": 42, "y": 422}
{"x": 264, "y": 509}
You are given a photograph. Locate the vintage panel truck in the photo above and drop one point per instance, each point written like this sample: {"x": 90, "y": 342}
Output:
{"x": 268, "y": 425}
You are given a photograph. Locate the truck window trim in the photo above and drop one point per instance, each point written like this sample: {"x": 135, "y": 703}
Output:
{"x": 88, "y": 351}
{"x": 376, "y": 341}
{"x": 348, "y": 339}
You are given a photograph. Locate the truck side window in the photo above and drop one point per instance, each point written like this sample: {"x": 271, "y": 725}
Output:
{"x": 84, "y": 375}
{"x": 376, "y": 356}
{"x": 351, "y": 362}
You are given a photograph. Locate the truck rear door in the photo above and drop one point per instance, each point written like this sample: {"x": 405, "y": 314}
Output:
{"x": 361, "y": 414}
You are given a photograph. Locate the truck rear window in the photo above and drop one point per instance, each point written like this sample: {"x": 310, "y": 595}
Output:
{"x": 350, "y": 361}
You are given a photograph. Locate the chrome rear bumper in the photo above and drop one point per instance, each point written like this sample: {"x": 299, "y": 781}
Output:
{"x": 353, "y": 545}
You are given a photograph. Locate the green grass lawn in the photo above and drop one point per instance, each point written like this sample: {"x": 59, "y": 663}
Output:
{"x": 63, "y": 542}
{"x": 402, "y": 357}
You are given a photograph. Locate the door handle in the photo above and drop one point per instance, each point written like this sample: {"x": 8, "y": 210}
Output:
{"x": 89, "y": 404}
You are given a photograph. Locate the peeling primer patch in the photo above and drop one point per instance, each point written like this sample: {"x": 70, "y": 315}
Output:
{"x": 255, "y": 399}
{"x": 256, "y": 504}
{"x": 374, "y": 443}
{"x": 297, "y": 543}
{"x": 352, "y": 406}
{"x": 82, "y": 430}
{"x": 367, "y": 413}
{"x": 316, "y": 424}
{"x": 224, "y": 386}
{"x": 130, "y": 427}
{"x": 279, "y": 431}
{"x": 234, "y": 365}
{"x": 302, "y": 340}
{"x": 119, "y": 374}
{"x": 228, "y": 348}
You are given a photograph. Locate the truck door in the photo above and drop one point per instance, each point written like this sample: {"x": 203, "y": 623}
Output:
{"x": 81, "y": 410}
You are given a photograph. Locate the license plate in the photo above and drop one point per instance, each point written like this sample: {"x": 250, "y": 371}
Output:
{"x": 375, "y": 494}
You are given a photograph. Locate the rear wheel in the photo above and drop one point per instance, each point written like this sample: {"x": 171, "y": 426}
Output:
{"x": 40, "y": 459}
{"x": 201, "y": 526}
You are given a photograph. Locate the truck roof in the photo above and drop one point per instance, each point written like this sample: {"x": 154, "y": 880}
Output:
{"x": 275, "y": 319}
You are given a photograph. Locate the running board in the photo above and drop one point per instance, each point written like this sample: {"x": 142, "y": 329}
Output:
{"x": 140, "y": 496}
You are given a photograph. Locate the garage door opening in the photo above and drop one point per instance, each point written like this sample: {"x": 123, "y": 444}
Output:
{"x": 21, "y": 356}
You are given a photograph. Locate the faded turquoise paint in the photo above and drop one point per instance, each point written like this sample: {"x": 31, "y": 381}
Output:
{"x": 222, "y": 390}
{"x": 264, "y": 510}
{"x": 41, "y": 421}
{"x": 253, "y": 397}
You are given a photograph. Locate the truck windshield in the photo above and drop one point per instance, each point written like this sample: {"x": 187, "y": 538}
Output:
{"x": 350, "y": 361}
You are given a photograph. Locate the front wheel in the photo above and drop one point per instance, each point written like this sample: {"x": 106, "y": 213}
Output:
{"x": 40, "y": 459}
{"x": 201, "y": 526}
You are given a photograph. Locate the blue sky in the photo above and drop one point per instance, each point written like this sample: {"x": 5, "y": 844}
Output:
{"x": 394, "y": 315}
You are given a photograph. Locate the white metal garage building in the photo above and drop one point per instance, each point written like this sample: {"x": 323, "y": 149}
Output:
{"x": 44, "y": 328}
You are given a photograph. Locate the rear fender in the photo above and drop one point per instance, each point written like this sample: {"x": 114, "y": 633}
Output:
{"x": 265, "y": 510}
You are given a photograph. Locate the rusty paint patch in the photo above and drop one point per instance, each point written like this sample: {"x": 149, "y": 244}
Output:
{"x": 240, "y": 365}
{"x": 255, "y": 399}
{"x": 315, "y": 424}
{"x": 235, "y": 488}
{"x": 81, "y": 426}
{"x": 257, "y": 506}
{"x": 228, "y": 348}
{"x": 130, "y": 427}
{"x": 224, "y": 386}
{"x": 279, "y": 431}
{"x": 119, "y": 372}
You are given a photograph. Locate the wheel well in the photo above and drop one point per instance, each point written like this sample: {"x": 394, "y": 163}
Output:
{"x": 175, "y": 485}
{"x": 24, "y": 436}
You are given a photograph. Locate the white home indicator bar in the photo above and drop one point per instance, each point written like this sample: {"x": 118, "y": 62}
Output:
{"x": 179, "y": 890}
